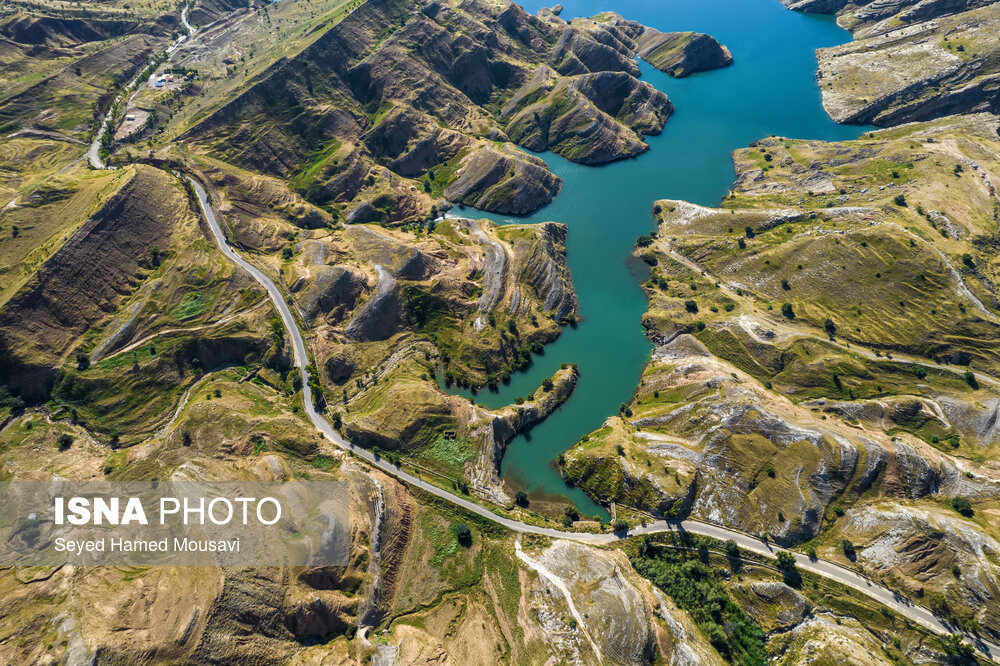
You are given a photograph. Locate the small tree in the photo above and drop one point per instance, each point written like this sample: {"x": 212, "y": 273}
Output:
{"x": 787, "y": 311}
{"x": 732, "y": 549}
{"x": 786, "y": 561}
{"x": 691, "y": 306}
{"x": 186, "y": 438}
{"x": 830, "y": 327}
{"x": 959, "y": 651}
{"x": 65, "y": 441}
{"x": 570, "y": 516}
{"x": 620, "y": 525}
{"x": 900, "y": 200}
{"x": 463, "y": 534}
{"x": 848, "y": 549}
{"x": 521, "y": 498}
{"x": 970, "y": 379}
{"x": 82, "y": 361}
{"x": 962, "y": 505}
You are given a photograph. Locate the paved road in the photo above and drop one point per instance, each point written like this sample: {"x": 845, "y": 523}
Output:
{"x": 828, "y": 570}
{"x": 104, "y": 124}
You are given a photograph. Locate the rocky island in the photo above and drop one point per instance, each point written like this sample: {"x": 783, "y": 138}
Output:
{"x": 682, "y": 53}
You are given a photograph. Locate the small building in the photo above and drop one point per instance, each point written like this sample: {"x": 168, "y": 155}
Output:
{"x": 129, "y": 117}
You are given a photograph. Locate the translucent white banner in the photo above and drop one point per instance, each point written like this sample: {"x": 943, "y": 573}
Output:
{"x": 177, "y": 523}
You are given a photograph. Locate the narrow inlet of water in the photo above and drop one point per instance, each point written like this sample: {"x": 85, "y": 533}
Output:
{"x": 770, "y": 89}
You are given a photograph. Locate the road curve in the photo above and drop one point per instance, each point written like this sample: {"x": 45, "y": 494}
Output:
{"x": 826, "y": 569}
{"x": 104, "y": 124}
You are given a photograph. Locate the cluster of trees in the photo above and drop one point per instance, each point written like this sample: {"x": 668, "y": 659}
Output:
{"x": 697, "y": 589}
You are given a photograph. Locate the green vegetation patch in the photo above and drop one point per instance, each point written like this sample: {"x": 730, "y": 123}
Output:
{"x": 700, "y": 590}
{"x": 451, "y": 453}
{"x": 192, "y": 304}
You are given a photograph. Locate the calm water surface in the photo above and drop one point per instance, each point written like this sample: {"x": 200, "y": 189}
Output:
{"x": 770, "y": 89}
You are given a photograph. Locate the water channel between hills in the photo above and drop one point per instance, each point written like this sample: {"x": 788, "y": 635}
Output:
{"x": 770, "y": 89}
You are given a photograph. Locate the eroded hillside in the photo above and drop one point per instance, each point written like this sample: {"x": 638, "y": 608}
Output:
{"x": 825, "y": 356}
{"x": 911, "y": 60}
{"x": 331, "y": 136}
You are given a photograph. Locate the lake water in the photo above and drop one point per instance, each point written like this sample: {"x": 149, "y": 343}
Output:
{"x": 770, "y": 89}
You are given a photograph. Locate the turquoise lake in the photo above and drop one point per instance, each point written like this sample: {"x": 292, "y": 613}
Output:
{"x": 770, "y": 89}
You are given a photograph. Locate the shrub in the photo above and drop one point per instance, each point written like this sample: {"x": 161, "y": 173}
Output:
{"x": 463, "y": 534}
{"x": 82, "y": 361}
{"x": 970, "y": 379}
{"x": 620, "y": 525}
{"x": 830, "y": 327}
{"x": 570, "y": 516}
{"x": 787, "y": 310}
{"x": 900, "y": 200}
{"x": 691, "y": 306}
{"x": 741, "y": 243}
{"x": 65, "y": 441}
{"x": 962, "y": 505}
{"x": 785, "y": 285}
{"x": 769, "y": 470}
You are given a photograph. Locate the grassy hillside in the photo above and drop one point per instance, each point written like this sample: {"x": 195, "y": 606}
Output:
{"x": 826, "y": 341}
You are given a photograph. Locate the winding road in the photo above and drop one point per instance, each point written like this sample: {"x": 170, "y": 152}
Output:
{"x": 104, "y": 124}
{"x": 826, "y": 569}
